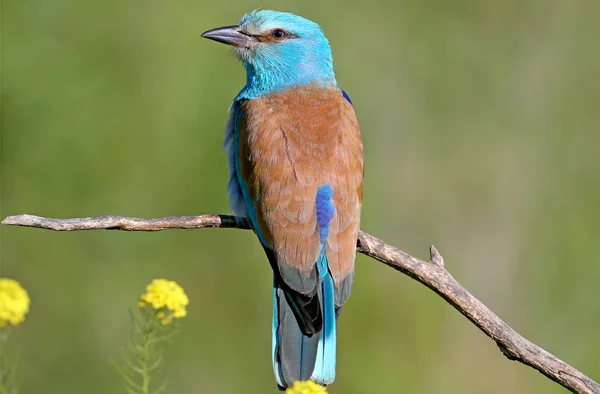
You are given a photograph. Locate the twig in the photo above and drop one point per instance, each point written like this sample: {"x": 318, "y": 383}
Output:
{"x": 430, "y": 273}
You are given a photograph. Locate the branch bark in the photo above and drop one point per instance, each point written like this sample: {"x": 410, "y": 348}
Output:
{"x": 430, "y": 273}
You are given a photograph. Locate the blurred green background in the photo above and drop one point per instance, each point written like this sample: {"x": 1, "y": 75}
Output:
{"x": 482, "y": 136}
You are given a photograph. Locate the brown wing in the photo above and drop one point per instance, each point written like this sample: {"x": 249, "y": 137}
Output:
{"x": 291, "y": 143}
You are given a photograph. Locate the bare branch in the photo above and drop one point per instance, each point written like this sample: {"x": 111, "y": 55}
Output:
{"x": 430, "y": 273}
{"x": 127, "y": 224}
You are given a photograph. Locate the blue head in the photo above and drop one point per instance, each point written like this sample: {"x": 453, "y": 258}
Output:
{"x": 279, "y": 50}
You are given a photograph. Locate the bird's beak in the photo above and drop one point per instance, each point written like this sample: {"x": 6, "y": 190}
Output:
{"x": 230, "y": 35}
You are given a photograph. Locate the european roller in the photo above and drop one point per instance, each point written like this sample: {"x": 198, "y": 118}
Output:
{"x": 296, "y": 172}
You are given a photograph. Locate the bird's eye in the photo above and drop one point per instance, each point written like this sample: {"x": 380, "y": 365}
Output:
{"x": 279, "y": 34}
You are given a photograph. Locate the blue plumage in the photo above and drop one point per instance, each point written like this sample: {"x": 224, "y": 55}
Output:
{"x": 295, "y": 62}
{"x": 346, "y": 97}
{"x": 325, "y": 210}
{"x": 234, "y": 189}
{"x": 241, "y": 203}
{"x": 324, "y": 369}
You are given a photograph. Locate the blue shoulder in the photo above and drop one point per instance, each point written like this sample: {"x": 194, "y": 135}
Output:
{"x": 346, "y": 97}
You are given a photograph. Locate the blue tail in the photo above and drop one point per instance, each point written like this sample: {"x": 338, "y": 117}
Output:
{"x": 324, "y": 371}
{"x": 295, "y": 355}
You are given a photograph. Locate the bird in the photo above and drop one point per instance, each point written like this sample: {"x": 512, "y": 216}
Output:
{"x": 295, "y": 157}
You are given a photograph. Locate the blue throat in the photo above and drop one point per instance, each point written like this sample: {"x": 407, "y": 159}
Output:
{"x": 272, "y": 67}
{"x": 260, "y": 83}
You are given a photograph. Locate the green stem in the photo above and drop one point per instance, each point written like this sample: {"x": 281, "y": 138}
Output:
{"x": 144, "y": 362}
{"x": 3, "y": 362}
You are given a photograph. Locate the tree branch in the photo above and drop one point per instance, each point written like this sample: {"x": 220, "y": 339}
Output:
{"x": 430, "y": 273}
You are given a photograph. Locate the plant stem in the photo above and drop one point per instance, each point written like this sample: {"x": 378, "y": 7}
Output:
{"x": 144, "y": 361}
{"x": 4, "y": 363}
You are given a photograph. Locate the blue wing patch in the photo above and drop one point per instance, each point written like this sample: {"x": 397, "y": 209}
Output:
{"x": 236, "y": 197}
{"x": 347, "y": 97}
{"x": 241, "y": 203}
{"x": 325, "y": 209}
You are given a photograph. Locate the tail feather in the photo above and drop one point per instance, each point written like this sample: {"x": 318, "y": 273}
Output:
{"x": 294, "y": 354}
{"x": 306, "y": 307}
{"x": 324, "y": 370}
{"x": 297, "y": 356}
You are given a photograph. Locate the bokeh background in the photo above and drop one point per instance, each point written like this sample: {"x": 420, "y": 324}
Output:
{"x": 482, "y": 136}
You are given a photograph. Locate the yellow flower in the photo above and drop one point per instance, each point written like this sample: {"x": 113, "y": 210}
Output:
{"x": 307, "y": 387}
{"x": 14, "y": 302}
{"x": 167, "y": 297}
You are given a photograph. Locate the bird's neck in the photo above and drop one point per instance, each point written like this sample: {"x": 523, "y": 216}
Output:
{"x": 261, "y": 81}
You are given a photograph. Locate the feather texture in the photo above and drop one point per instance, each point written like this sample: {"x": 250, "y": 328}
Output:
{"x": 296, "y": 170}
{"x": 292, "y": 143}
{"x": 298, "y": 157}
